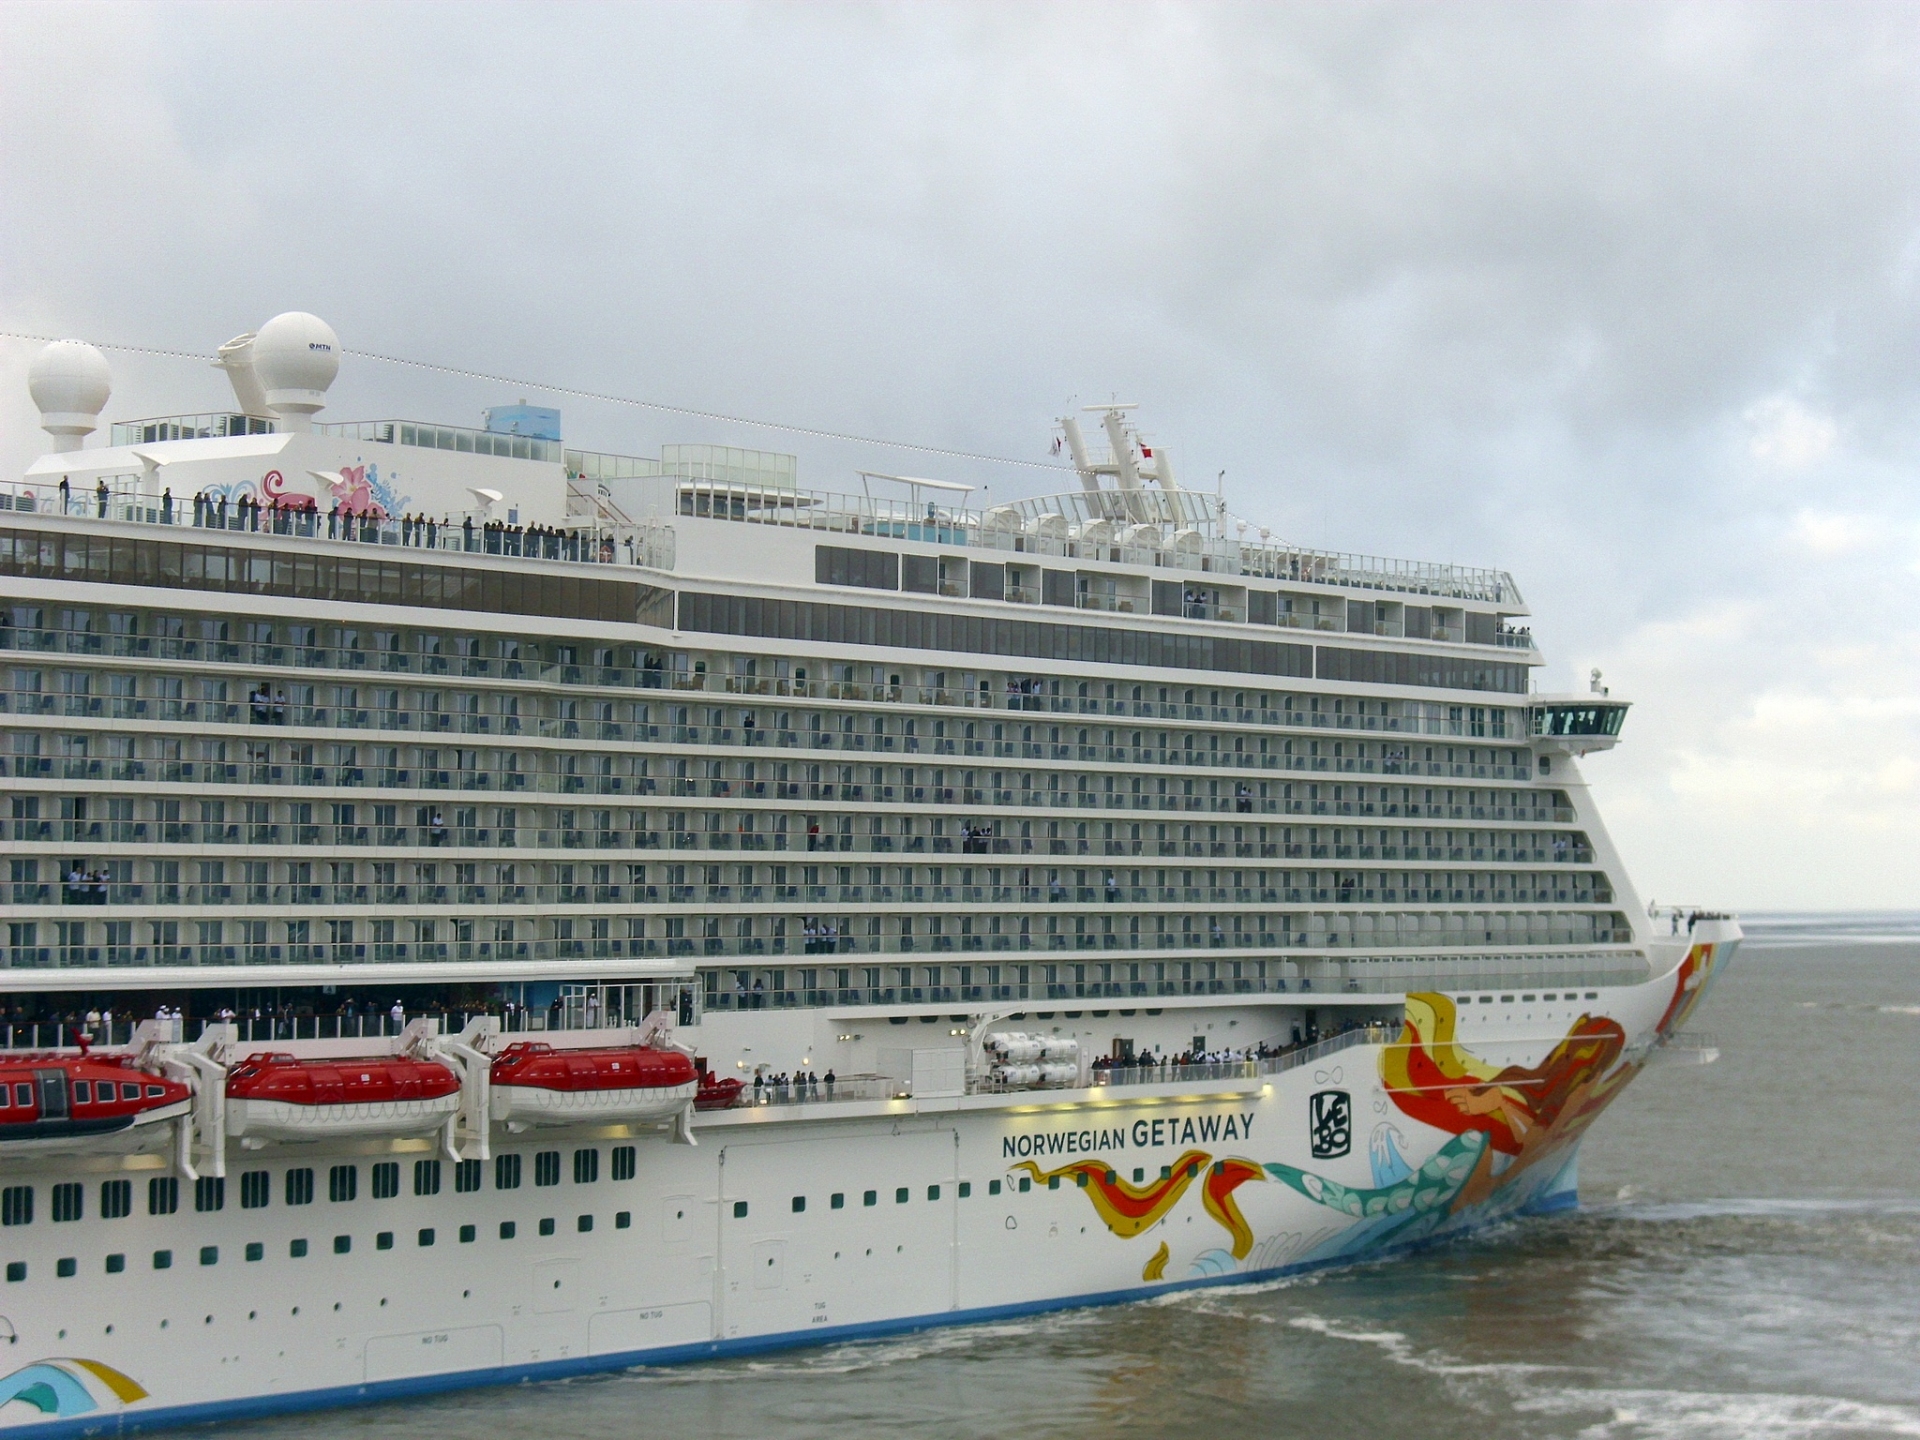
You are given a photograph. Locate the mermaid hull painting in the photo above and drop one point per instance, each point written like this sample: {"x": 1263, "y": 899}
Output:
{"x": 1463, "y": 1125}
{"x": 65, "y": 1390}
{"x": 782, "y": 1228}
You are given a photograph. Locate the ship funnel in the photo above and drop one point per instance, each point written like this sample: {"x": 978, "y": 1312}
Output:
{"x": 70, "y": 383}
{"x": 236, "y": 358}
{"x": 295, "y": 357}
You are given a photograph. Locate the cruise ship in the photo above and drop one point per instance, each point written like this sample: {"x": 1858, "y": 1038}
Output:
{"x": 483, "y": 911}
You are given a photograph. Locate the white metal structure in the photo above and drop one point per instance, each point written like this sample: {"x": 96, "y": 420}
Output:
{"x": 1075, "y": 885}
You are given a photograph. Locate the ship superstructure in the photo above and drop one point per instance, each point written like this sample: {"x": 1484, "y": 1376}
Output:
{"x": 918, "y": 861}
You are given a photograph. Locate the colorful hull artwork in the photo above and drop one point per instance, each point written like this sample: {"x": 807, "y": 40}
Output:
{"x": 1382, "y": 1140}
{"x": 63, "y": 1389}
{"x": 1512, "y": 1136}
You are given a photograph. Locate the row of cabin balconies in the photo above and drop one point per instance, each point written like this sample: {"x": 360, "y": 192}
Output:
{"x": 1520, "y": 889}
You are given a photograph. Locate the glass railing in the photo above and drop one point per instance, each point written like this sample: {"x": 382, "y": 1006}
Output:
{"x": 189, "y": 427}
{"x": 126, "y": 498}
{"x": 446, "y": 437}
{"x": 1372, "y": 975}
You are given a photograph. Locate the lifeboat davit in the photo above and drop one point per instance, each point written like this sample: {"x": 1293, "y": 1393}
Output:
{"x": 276, "y": 1097}
{"x": 77, "y": 1103}
{"x": 535, "y": 1084}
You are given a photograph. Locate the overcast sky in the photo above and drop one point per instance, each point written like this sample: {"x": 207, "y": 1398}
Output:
{"x": 1623, "y": 299}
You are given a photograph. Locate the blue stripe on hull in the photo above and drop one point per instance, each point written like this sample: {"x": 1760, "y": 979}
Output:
{"x": 1554, "y": 1197}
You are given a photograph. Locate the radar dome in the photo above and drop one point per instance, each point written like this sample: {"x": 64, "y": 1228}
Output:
{"x": 295, "y": 357}
{"x": 70, "y": 383}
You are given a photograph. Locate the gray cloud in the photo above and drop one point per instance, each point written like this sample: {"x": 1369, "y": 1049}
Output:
{"x": 1624, "y": 298}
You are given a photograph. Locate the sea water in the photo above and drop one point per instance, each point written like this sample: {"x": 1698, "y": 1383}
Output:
{"x": 1746, "y": 1263}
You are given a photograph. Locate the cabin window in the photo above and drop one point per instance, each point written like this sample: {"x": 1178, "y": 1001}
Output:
{"x": 300, "y": 1189}
{"x": 586, "y": 1166}
{"x": 506, "y": 1172}
{"x": 426, "y": 1177}
{"x": 209, "y": 1194}
{"x": 69, "y": 1201}
{"x": 116, "y": 1199}
{"x": 386, "y": 1179}
{"x": 624, "y": 1166}
{"x": 343, "y": 1183}
{"x": 16, "y": 1205}
{"x": 466, "y": 1177}
{"x": 546, "y": 1167}
{"x": 163, "y": 1195}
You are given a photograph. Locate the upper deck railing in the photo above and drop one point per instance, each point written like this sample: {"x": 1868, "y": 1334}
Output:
{"x": 457, "y": 438}
{"x": 163, "y": 428}
{"x": 1178, "y": 530}
{"x": 1151, "y": 528}
{"x": 129, "y": 499}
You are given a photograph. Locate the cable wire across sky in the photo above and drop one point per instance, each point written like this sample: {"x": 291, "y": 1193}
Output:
{"x": 600, "y": 396}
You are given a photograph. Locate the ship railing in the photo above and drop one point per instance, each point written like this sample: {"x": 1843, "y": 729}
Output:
{"x": 812, "y": 1088}
{"x": 131, "y": 499}
{"x": 161, "y": 428}
{"x": 1121, "y": 1073}
{"x": 1181, "y": 531}
{"x": 1021, "y": 695}
{"x": 269, "y": 1029}
{"x": 1323, "y": 978}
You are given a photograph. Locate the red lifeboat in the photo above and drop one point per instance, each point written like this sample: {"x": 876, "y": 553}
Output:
{"x": 276, "y": 1097}
{"x": 535, "y": 1084}
{"x": 74, "y": 1103}
{"x": 717, "y": 1092}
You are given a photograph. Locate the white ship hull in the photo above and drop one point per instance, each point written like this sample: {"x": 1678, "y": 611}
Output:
{"x": 263, "y": 1120}
{"x": 949, "y": 1211}
{"x": 523, "y": 1107}
{"x": 522, "y": 740}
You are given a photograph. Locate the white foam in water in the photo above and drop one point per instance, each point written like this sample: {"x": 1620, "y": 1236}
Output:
{"x": 1695, "y": 1415}
{"x": 1397, "y": 1348}
{"x": 1885, "y": 927}
{"x": 1643, "y": 1414}
{"x": 1654, "y": 1212}
{"x": 856, "y": 1356}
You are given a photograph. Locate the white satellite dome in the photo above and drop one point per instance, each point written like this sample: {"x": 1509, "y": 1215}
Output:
{"x": 70, "y": 383}
{"x": 295, "y": 357}
{"x": 236, "y": 358}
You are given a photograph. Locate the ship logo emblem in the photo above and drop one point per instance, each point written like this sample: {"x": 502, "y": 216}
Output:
{"x": 1330, "y": 1124}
